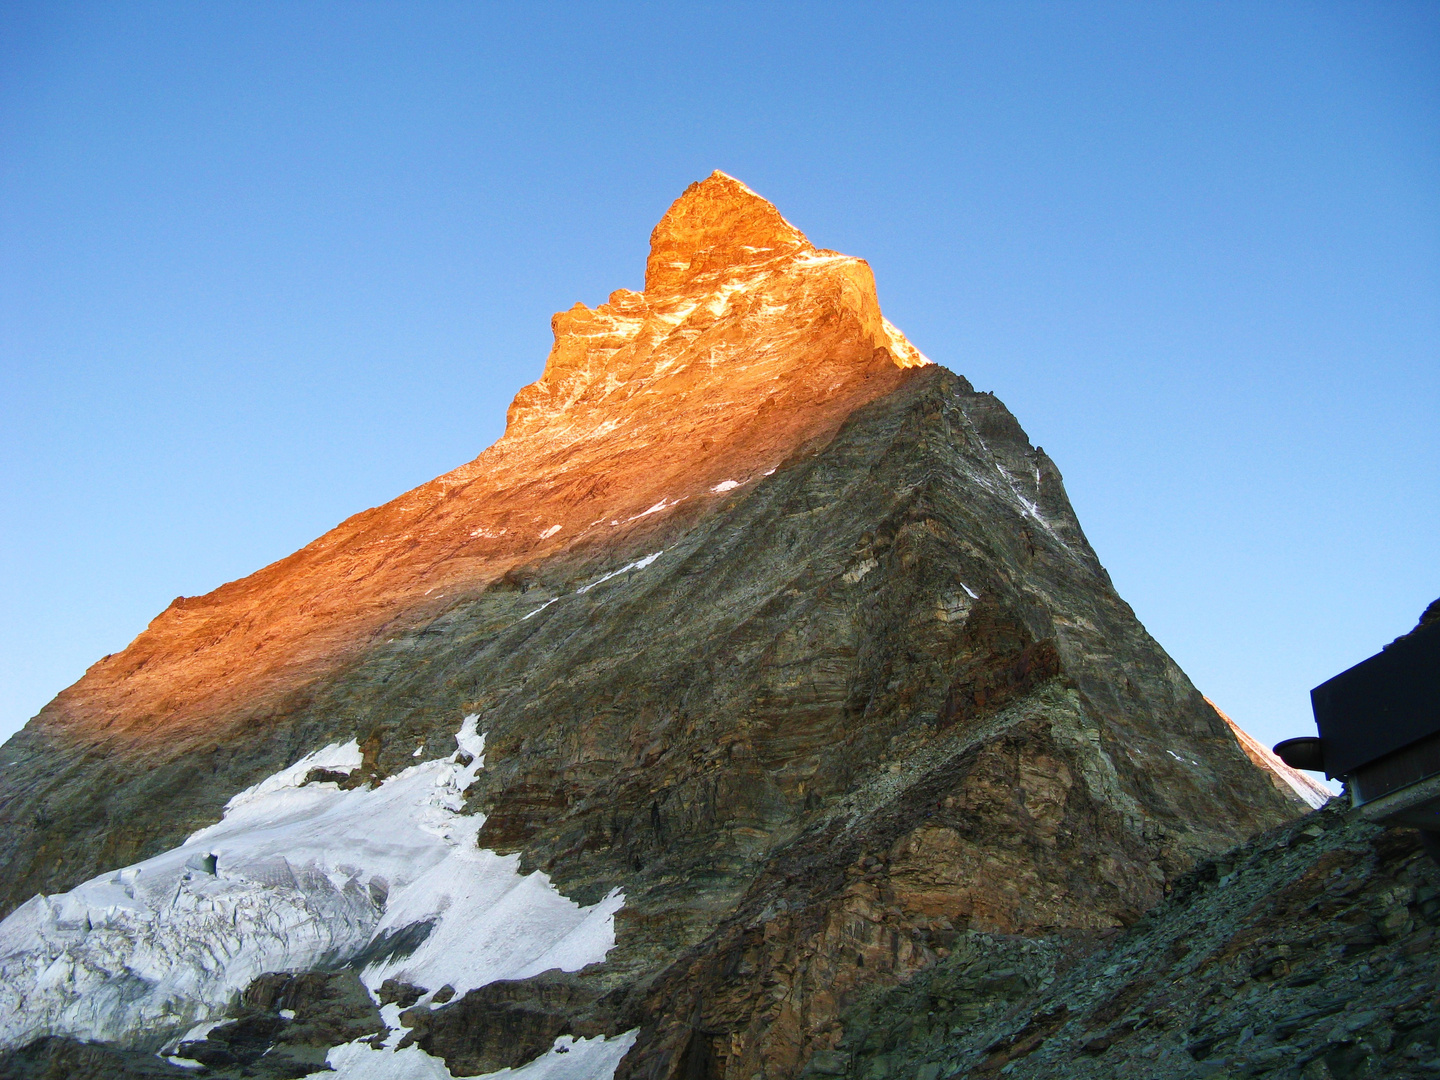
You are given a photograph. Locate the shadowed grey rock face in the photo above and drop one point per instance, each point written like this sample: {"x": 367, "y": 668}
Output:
{"x": 867, "y": 712}
{"x": 1307, "y": 953}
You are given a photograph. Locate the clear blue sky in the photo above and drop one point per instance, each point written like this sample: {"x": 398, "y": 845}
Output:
{"x": 262, "y": 266}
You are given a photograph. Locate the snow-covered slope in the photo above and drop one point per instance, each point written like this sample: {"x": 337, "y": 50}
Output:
{"x": 296, "y": 876}
{"x": 569, "y": 1059}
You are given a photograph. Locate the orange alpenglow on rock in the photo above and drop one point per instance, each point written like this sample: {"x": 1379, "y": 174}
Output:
{"x": 735, "y": 298}
{"x": 747, "y": 343}
{"x": 719, "y": 224}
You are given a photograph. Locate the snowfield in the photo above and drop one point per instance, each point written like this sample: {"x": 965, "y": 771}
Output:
{"x": 569, "y": 1059}
{"x": 299, "y": 876}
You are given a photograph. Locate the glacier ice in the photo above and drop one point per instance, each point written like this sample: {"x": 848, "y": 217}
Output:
{"x": 295, "y": 876}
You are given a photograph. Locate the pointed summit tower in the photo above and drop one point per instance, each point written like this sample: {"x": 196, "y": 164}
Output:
{"x": 759, "y": 663}
{"x": 718, "y": 224}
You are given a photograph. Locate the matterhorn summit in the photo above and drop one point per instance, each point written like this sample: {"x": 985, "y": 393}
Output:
{"x": 762, "y": 665}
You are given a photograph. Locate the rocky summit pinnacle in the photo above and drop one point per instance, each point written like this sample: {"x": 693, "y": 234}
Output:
{"x": 758, "y": 667}
{"x": 718, "y": 223}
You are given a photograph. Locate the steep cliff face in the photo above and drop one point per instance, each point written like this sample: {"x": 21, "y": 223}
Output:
{"x": 768, "y": 623}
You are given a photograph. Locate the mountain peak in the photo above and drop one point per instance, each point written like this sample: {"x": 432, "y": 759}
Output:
{"x": 735, "y": 298}
{"x": 757, "y": 636}
{"x": 717, "y": 223}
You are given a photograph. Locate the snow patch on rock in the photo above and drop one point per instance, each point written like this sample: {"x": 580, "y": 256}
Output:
{"x": 638, "y": 564}
{"x": 575, "y": 1059}
{"x": 663, "y": 504}
{"x": 568, "y": 1059}
{"x": 539, "y": 609}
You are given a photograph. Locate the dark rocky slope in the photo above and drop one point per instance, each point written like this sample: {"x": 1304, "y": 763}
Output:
{"x": 866, "y": 712}
{"x": 1307, "y": 953}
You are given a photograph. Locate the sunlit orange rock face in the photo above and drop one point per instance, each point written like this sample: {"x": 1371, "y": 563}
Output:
{"x": 747, "y": 343}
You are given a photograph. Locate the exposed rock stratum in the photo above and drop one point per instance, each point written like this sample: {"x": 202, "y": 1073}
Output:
{"x": 759, "y": 666}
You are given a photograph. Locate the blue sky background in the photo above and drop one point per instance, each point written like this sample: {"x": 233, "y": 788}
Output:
{"x": 265, "y": 265}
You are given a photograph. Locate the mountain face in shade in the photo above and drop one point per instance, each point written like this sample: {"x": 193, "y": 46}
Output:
{"x": 757, "y": 661}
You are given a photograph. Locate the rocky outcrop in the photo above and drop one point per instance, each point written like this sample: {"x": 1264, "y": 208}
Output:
{"x": 501, "y": 1025}
{"x": 1307, "y": 953}
{"x": 769, "y": 622}
{"x": 284, "y": 1024}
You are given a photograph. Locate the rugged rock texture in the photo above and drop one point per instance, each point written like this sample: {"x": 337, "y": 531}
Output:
{"x": 284, "y": 1024}
{"x": 280, "y": 1029}
{"x": 874, "y": 702}
{"x": 502, "y": 1025}
{"x": 1309, "y": 952}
